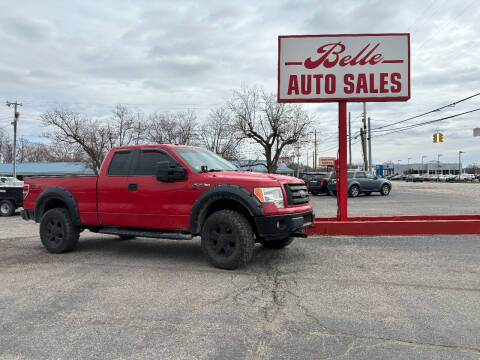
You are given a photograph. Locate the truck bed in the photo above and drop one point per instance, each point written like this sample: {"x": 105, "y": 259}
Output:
{"x": 83, "y": 188}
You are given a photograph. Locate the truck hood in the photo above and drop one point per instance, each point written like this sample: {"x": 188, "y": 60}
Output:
{"x": 242, "y": 177}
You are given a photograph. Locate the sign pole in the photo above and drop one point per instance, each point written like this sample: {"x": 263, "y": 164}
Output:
{"x": 342, "y": 158}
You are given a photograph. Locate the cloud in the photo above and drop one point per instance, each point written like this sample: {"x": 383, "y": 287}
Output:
{"x": 91, "y": 55}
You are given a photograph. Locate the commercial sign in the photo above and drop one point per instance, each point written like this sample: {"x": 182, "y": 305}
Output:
{"x": 326, "y": 161}
{"x": 325, "y": 68}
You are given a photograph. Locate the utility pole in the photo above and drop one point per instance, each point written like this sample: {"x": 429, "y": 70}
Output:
{"x": 423, "y": 156}
{"x": 349, "y": 142}
{"x": 363, "y": 132}
{"x": 16, "y": 115}
{"x": 438, "y": 167}
{"x": 315, "y": 153}
{"x": 369, "y": 147}
{"x": 460, "y": 164}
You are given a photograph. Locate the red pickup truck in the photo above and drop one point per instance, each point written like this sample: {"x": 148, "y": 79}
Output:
{"x": 172, "y": 192}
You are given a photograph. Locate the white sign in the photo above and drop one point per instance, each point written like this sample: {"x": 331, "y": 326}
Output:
{"x": 371, "y": 67}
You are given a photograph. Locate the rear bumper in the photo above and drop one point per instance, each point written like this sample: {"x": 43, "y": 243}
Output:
{"x": 28, "y": 214}
{"x": 281, "y": 226}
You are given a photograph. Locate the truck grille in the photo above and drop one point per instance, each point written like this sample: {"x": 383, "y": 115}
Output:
{"x": 296, "y": 194}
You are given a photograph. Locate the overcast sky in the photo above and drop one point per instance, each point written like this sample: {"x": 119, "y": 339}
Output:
{"x": 177, "y": 55}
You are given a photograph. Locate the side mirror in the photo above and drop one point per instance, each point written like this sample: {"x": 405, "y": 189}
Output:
{"x": 166, "y": 172}
{"x": 163, "y": 168}
{"x": 179, "y": 173}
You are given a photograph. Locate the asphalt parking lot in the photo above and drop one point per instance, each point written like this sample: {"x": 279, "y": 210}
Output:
{"x": 408, "y": 198}
{"x": 321, "y": 298}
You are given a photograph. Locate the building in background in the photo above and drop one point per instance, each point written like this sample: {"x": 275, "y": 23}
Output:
{"x": 432, "y": 167}
{"x": 46, "y": 169}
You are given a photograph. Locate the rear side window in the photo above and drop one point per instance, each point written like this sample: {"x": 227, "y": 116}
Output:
{"x": 119, "y": 164}
{"x": 360, "y": 175}
{"x": 147, "y": 163}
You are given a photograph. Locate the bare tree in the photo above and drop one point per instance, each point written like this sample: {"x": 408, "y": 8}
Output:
{"x": 70, "y": 128}
{"x": 219, "y": 134}
{"x": 273, "y": 125}
{"x": 172, "y": 128}
{"x": 6, "y": 148}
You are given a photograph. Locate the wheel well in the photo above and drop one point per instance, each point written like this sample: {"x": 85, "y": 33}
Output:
{"x": 224, "y": 204}
{"x": 52, "y": 204}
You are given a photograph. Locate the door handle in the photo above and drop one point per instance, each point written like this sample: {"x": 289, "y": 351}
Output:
{"x": 132, "y": 187}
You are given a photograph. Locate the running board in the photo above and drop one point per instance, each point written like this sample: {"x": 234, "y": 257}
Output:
{"x": 146, "y": 233}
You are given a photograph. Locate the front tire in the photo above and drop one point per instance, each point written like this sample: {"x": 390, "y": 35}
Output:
{"x": 7, "y": 208}
{"x": 385, "y": 190}
{"x": 57, "y": 231}
{"x": 227, "y": 239}
{"x": 277, "y": 244}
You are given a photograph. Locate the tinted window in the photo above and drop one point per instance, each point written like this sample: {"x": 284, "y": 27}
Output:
{"x": 360, "y": 175}
{"x": 349, "y": 175}
{"x": 147, "y": 163}
{"x": 119, "y": 164}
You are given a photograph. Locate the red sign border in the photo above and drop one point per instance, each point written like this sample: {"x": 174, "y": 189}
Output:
{"x": 356, "y": 99}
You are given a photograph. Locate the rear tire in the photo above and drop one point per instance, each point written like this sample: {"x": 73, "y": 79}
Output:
{"x": 277, "y": 244}
{"x": 7, "y": 208}
{"x": 57, "y": 231}
{"x": 354, "y": 191}
{"x": 227, "y": 239}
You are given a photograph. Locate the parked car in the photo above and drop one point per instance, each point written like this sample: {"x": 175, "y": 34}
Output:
{"x": 361, "y": 182}
{"x": 172, "y": 192}
{"x": 317, "y": 184}
{"x": 11, "y": 195}
{"x": 414, "y": 178}
{"x": 397, "y": 177}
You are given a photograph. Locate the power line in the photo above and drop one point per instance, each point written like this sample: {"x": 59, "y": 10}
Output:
{"x": 408, "y": 127}
{"x": 426, "y": 113}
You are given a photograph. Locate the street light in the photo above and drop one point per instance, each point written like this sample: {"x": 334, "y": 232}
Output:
{"x": 438, "y": 166}
{"x": 423, "y": 156}
{"x": 460, "y": 163}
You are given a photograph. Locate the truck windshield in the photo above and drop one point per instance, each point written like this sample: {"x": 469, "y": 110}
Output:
{"x": 197, "y": 158}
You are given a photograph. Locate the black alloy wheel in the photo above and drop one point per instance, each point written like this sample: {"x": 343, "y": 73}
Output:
{"x": 228, "y": 239}
{"x": 57, "y": 231}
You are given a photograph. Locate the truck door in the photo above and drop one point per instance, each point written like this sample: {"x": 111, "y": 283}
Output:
{"x": 156, "y": 204}
{"x": 112, "y": 190}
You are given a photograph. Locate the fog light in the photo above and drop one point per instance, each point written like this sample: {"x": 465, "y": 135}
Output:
{"x": 281, "y": 225}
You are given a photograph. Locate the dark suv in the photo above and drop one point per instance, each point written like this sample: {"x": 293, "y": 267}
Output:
{"x": 317, "y": 182}
{"x": 361, "y": 182}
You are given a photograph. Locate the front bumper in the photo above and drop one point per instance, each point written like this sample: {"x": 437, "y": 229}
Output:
{"x": 276, "y": 227}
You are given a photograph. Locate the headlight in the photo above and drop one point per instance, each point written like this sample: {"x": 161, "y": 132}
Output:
{"x": 270, "y": 195}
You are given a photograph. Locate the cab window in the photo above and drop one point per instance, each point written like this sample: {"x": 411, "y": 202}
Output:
{"x": 146, "y": 164}
{"x": 119, "y": 164}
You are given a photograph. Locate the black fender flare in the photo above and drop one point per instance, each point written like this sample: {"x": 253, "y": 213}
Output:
{"x": 61, "y": 194}
{"x": 223, "y": 192}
